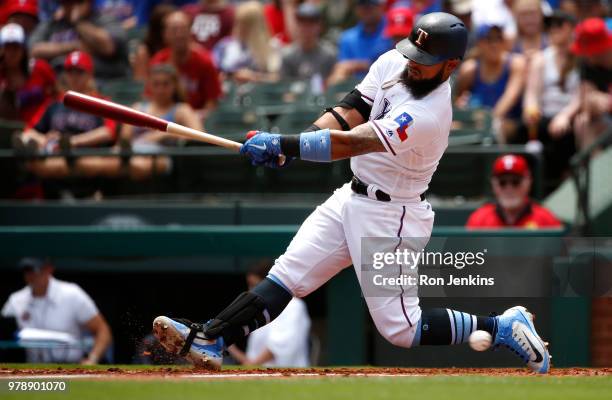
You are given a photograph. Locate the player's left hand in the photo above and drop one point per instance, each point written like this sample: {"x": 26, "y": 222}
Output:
{"x": 263, "y": 148}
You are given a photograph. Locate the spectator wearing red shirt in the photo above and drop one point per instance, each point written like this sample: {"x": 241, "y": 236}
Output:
{"x": 212, "y": 20}
{"x": 199, "y": 75}
{"x": 27, "y": 85}
{"x": 513, "y": 208}
{"x": 280, "y": 16}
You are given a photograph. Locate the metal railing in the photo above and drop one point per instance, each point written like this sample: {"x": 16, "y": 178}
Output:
{"x": 581, "y": 175}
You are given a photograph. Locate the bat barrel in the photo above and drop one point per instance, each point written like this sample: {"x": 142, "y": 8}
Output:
{"x": 110, "y": 110}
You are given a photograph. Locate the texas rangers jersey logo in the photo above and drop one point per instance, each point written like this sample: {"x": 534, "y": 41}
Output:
{"x": 404, "y": 121}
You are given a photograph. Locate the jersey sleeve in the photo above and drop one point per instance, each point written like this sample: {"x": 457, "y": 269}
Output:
{"x": 372, "y": 82}
{"x": 85, "y": 307}
{"x": 406, "y": 128}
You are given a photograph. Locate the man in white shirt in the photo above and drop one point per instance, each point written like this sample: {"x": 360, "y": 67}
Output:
{"x": 283, "y": 342}
{"x": 50, "y": 304}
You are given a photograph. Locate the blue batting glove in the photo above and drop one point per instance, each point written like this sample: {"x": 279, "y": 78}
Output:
{"x": 263, "y": 149}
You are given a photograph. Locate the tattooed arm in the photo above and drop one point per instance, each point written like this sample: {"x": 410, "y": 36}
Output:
{"x": 360, "y": 140}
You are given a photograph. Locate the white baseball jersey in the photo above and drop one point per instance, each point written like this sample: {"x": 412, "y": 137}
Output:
{"x": 414, "y": 132}
{"x": 415, "y": 135}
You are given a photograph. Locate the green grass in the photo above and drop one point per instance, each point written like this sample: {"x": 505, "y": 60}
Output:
{"x": 353, "y": 388}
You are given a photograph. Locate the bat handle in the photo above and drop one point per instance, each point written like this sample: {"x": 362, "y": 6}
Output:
{"x": 189, "y": 133}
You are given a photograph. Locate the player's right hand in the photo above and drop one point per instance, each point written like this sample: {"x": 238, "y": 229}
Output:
{"x": 264, "y": 148}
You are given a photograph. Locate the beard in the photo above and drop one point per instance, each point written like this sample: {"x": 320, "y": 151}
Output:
{"x": 420, "y": 88}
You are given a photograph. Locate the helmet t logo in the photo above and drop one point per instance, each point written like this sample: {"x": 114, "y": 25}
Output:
{"x": 422, "y": 36}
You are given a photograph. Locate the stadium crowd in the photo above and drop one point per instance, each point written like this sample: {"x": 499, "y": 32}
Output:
{"x": 539, "y": 68}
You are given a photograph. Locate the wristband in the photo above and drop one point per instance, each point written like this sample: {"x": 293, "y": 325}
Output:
{"x": 316, "y": 146}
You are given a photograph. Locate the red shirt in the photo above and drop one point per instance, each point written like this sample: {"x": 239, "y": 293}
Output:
{"x": 534, "y": 216}
{"x": 210, "y": 24}
{"x": 276, "y": 23}
{"x": 199, "y": 76}
{"x": 36, "y": 93}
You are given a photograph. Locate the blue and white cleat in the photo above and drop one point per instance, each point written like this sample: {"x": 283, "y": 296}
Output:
{"x": 516, "y": 331}
{"x": 185, "y": 338}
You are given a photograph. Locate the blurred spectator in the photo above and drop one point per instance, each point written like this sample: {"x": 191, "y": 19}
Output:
{"x": 153, "y": 41}
{"x": 361, "y": 45}
{"x": 511, "y": 183}
{"x": 593, "y": 103}
{"x": 46, "y": 9}
{"x": 49, "y": 304}
{"x": 26, "y": 84}
{"x": 495, "y": 12}
{"x": 530, "y": 28}
{"x": 22, "y": 12}
{"x": 552, "y": 83}
{"x": 194, "y": 63}
{"x": 124, "y": 11}
{"x": 283, "y": 342}
{"x": 280, "y": 18}
{"x": 248, "y": 55}
{"x": 308, "y": 57}
{"x": 63, "y": 128}
{"x": 75, "y": 26}
{"x": 462, "y": 9}
{"x": 166, "y": 101}
{"x": 399, "y": 24}
{"x": 212, "y": 20}
{"x": 494, "y": 79}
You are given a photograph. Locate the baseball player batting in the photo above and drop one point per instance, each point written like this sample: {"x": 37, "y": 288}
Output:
{"x": 394, "y": 127}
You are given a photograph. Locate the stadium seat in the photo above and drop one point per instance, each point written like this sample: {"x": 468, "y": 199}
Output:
{"x": 296, "y": 121}
{"x": 233, "y": 123}
{"x": 335, "y": 93}
{"x": 471, "y": 126}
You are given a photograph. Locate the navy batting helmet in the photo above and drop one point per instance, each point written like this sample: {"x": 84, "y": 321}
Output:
{"x": 435, "y": 38}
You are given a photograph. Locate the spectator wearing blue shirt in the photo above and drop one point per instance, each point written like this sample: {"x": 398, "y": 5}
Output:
{"x": 361, "y": 45}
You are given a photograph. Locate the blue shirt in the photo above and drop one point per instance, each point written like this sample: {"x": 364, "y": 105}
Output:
{"x": 357, "y": 44}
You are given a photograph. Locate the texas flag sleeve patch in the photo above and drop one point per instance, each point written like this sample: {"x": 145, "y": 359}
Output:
{"x": 404, "y": 121}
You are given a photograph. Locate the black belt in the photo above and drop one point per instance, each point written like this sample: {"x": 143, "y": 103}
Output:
{"x": 359, "y": 187}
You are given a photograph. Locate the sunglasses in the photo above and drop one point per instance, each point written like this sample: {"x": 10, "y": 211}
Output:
{"x": 514, "y": 182}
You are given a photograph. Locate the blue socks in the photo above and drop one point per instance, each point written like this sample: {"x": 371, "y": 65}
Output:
{"x": 443, "y": 326}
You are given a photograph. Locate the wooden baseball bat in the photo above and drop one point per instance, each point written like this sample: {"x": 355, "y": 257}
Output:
{"x": 127, "y": 115}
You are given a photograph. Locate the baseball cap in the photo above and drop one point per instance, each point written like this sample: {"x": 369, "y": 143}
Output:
{"x": 29, "y": 7}
{"x": 308, "y": 11}
{"x": 483, "y": 31}
{"x": 31, "y": 263}
{"x": 510, "y": 164}
{"x": 12, "y": 33}
{"x": 79, "y": 60}
{"x": 399, "y": 22}
{"x": 591, "y": 38}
